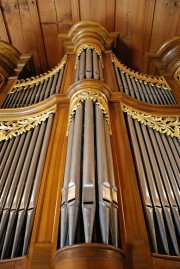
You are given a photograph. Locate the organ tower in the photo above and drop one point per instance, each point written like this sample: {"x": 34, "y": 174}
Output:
{"x": 89, "y": 157}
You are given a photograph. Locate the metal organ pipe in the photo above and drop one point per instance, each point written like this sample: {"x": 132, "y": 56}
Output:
{"x": 103, "y": 179}
{"x": 114, "y": 206}
{"x": 89, "y": 65}
{"x": 34, "y": 93}
{"x": 96, "y": 192}
{"x": 64, "y": 220}
{"x": 74, "y": 183}
{"x": 19, "y": 196}
{"x": 161, "y": 183}
{"x": 82, "y": 65}
{"x": 154, "y": 94}
{"x": 88, "y": 184}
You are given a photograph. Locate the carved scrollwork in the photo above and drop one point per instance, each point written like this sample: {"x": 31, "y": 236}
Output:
{"x": 88, "y": 46}
{"x": 12, "y": 128}
{"x": 98, "y": 97}
{"x": 165, "y": 125}
{"x": 153, "y": 80}
{"x": 177, "y": 74}
{"x": 29, "y": 82}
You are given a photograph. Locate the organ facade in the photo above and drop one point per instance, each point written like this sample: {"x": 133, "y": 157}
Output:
{"x": 89, "y": 157}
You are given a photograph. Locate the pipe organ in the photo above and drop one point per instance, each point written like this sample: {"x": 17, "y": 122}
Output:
{"x": 89, "y": 163}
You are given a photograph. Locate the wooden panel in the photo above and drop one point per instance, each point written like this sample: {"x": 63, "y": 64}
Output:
{"x": 3, "y": 31}
{"x": 133, "y": 22}
{"x": 64, "y": 20}
{"x": 13, "y": 21}
{"x": 48, "y": 19}
{"x": 97, "y": 256}
{"x": 64, "y": 15}
{"x": 38, "y": 33}
{"x": 50, "y": 34}
{"x": 75, "y": 11}
{"x": 32, "y": 33}
{"x": 34, "y": 27}
{"x": 101, "y": 11}
{"x": 55, "y": 17}
{"x": 16, "y": 263}
{"x": 166, "y": 22}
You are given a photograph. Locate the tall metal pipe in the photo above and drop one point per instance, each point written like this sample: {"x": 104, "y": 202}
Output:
{"x": 75, "y": 178}
{"x": 82, "y": 65}
{"x": 100, "y": 70}
{"x": 60, "y": 77}
{"x": 114, "y": 206}
{"x": 95, "y": 65}
{"x": 64, "y": 220}
{"x": 104, "y": 190}
{"x": 88, "y": 63}
{"x": 88, "y": 183}
{"x": 23, "y": 194}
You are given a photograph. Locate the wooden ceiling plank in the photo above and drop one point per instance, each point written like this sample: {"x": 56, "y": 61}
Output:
{"x": 54, "y": 54}
{"x": 3, "y": 30}
{"x": 10, "y": 10}
{"x": 75, "y": 11}
{"x": 166, "y": 22}
{"x": 85, "y": 13}
{"x": 133, "y": 22}
{"x": 49, "y": 25}
{"x": 47, "y": 11}
{"x": 38, "y": 33}
{"x": 64, "y": 15}
{"x": 29, "y": 35}
{"x": 110, "y": 15}
{"x": 101, "y": 11}
{"x": 142, "y": 32}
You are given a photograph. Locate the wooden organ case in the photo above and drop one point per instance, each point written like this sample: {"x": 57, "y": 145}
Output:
{"x": 89, "y": 157}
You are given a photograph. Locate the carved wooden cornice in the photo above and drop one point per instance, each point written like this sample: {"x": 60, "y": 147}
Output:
{"x": 166, "y": 60}
{"x": 85, "y": 32}
{"x": 9, "y": 57}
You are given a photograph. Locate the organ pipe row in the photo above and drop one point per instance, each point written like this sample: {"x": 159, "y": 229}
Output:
{"x": 89, "y": 194}
{"x": 36, "y": 93}
{"x": 143, "y": 91}
{"x": 89, "y": 210}
{"x": 21, "y": 166}
{"x": 156, "y": 156}
{"x": 89, "y": 65}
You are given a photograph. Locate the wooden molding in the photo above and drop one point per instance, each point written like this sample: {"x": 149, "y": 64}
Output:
{"x": 19, "y": 263}
{"x": 88, "y": 255}
{"x": 88, "y": 31}
{"x": 166, "y": 60}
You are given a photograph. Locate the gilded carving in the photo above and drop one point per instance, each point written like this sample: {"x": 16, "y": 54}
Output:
{"x": 165, "y": 125}
{"x": 13, "y": 128}
{"x": 24, "y": 84}
{"x": 154, "y": 81}
{"x": 98, "y": 97}
{"x": 88, "y": 46}
{"x": 177, "y": 74}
